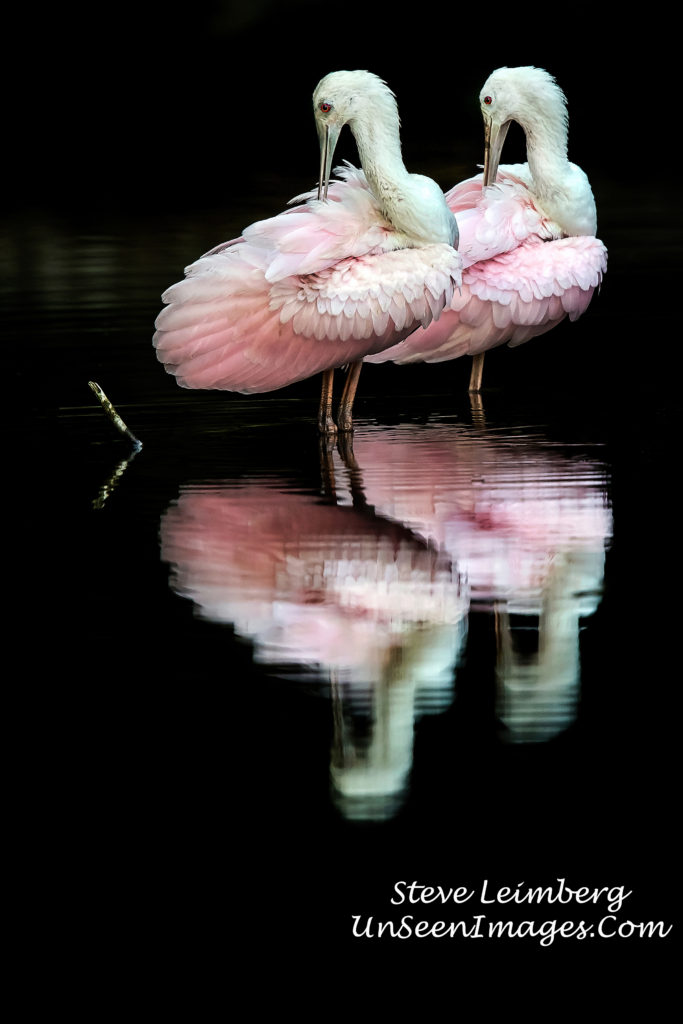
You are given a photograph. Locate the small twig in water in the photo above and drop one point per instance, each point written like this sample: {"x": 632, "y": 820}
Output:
{"x": 113, "y": 415}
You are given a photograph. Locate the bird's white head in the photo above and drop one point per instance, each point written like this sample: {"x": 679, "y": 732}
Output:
{"x": 357, "y": 98}
{"x": 529, "y": 96}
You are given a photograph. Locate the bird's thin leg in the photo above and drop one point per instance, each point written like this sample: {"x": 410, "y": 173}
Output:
{"x": 326, "y": 424}
{"x": 345, "y": 449}
{"x": 354, "y": 471}
{"x": 504, "y": 649}
{"x": 345, "y": 414}
{"x": 327, "y": 477}
{"x": 477, "y": 371}
{"x": 477, "y": 409}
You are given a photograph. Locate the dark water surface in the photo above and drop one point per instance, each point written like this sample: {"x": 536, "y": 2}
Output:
{"x": 265, "y": 682}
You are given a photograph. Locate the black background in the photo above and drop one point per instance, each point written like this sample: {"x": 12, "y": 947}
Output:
{"x": 156, "y": 110}
{"x": 155, "y": 104}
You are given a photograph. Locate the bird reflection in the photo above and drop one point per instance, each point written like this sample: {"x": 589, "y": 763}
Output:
{"x": 351, "y": 597}
{"x": 372, "y": 752}
{"x": 369, "y": 588}
{"x": 538, "y": 690}
{"x": 529, "y": 525}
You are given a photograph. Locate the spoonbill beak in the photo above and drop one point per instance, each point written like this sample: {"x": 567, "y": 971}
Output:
{"x": 494, "y": 137}
{"x": 328, "y": 135}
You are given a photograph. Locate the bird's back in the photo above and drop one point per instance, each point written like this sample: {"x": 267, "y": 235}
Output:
{"x": 320, "y": 285}
{"x": 498, "y": 218}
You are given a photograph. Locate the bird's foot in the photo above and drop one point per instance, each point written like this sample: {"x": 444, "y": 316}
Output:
{"x": 477, "y": 409}
{"x": 327, "y": 427}
{"x": 345, "y": 420}
{"x": 345, "y": 449}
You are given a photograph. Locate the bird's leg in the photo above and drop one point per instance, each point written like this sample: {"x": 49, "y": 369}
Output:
{"x": 326, "y": 424}
{"x": 477, "y": 371}
{"x": 345, "y": 449}
{"x": 345, "y": 413}
{"x": 504, "y": 649}
{"x": 477, "y": 409}
{"x": 355, "y": 473}
{"x": 327, "y": 477}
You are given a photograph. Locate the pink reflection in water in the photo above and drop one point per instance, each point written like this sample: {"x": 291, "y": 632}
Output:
{"x": 503, "y": 507}
{"x": 372, "y": 592}
{"x": 527, "y": 525}
{"x": 374, "y": 609}
{"x": 309, "y": 583}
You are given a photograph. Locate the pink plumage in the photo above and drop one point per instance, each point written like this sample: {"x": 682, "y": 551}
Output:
{"x": 530, "y": 255}
{"x": 327, "y": 282}
{"x": 520, "y": 278}
{"x": 312, "y": 583}
{"x": 316, "y": 287}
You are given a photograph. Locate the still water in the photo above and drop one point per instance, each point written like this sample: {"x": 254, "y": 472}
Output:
{"x": 368, "y": 584}
{"x": 272, "y": 678}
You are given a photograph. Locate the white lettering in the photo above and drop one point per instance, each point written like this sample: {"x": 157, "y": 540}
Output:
{"x": 367, "y": 931}
{"x": 417, "y": 893}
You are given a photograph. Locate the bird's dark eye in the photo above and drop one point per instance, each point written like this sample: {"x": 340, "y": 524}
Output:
{"x": 325, "y": 107}
{"x": 488, "y": 100}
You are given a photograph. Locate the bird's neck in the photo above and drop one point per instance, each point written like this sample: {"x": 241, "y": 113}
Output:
{"x": 379, "y": 148}
{"x": 546, "y": 147}
{"x": 414, "y": 206}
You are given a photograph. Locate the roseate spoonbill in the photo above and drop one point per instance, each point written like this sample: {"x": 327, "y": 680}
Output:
{"x": 327, "y": 282}
{"x": 526, "y": 525}
{"x": 360, "y": 603}
{"x": 434, "y": 522}
{"x": 527, "y": 236}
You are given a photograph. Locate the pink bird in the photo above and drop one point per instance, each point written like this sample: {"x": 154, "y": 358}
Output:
{"x": 354, "y": 601}
{"x": 527, "y": 527}
{"x": 342, "y": 275}
{"x": 427, "y": 526}
{"x": 527, "y": 237}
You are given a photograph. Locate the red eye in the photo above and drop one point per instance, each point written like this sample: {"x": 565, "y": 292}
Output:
{"x": 325, "y": 107}
{"x": 488, "y": 100}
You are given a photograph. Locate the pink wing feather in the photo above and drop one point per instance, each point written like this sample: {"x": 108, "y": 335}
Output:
{"x": 521, "y": 277}
{"x": 497, "y": 219}
{"x": 316, "y": 287}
